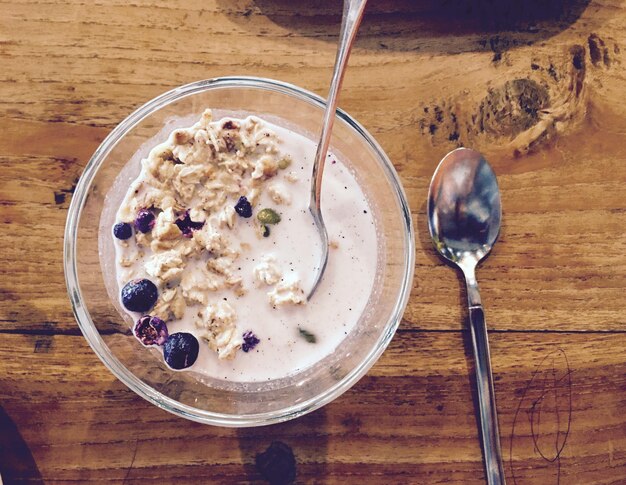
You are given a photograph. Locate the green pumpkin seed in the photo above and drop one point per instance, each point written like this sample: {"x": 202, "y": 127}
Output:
{"x": 268, "y": 216}
{"x": 308, "y": 336}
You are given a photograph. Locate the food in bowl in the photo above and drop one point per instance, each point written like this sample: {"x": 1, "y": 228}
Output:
{"x": 216, "y": 249}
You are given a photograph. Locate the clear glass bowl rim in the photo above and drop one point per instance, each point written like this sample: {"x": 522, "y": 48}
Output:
{"x": 118, "y": 369}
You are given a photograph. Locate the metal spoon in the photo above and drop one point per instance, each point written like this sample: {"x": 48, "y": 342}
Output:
{"x": 352, "y": 15}
{"x": 464, "y": 214}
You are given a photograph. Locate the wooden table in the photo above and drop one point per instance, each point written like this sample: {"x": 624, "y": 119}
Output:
{"x": 538, "y": 86}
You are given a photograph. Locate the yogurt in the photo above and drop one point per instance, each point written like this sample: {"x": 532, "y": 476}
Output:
{"x": 237, "y": 278}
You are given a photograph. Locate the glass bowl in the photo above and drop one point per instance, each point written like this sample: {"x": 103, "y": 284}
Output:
{"x": 95, "y": 304}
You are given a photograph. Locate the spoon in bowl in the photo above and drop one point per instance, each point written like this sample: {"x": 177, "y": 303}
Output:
{"x": 464, "y": 214}
{"x": 352, "y": 15}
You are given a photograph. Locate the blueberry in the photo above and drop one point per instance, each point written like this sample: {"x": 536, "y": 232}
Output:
{"x": 144, "y": 222}
{"x": 277, "y": 464}
{"x": 150, "y": 330}
{"x": 139, "y": 295}
{"x": 187, "y": 226}
{"x": 122, "y": 230}
{"x": 243, "y": 207}
{"x": 181, "y": 350}
{"x": 250, "y": 341}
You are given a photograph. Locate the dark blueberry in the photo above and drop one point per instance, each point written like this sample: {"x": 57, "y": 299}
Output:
{"x": 150, "y": 330}
{"x": 266, "y": 231}
{"x": 122, "y": 230}
{"x": 139, "y": 295}
{"x": 243, "y": 207}
{"x": 250, "y": 341}
{"x": 277, "y": 464}
{"x": 144, "y": 222}
{"x": 187, "y": 226}
{"x": 229, "y": 125}
{"x": 181, "y": 350}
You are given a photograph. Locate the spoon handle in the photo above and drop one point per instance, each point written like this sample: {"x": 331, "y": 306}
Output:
{"x": 352, "y": 14}
{"x": 486, "y": 397}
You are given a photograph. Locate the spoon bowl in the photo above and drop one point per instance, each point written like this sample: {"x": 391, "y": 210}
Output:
{"x": 464, "y": 209}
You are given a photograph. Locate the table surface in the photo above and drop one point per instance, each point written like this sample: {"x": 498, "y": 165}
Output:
{"x": 538, "y": 87}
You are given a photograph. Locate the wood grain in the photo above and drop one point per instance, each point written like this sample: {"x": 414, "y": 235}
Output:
{"x": 538, "y": 87}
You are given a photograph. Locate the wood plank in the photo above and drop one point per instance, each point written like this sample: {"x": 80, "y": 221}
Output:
{"x": 544, "y": 273}
{"x": 411, "y": 416}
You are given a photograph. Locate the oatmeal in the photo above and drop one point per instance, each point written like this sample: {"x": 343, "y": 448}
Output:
{"x": 216, "y": 227}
